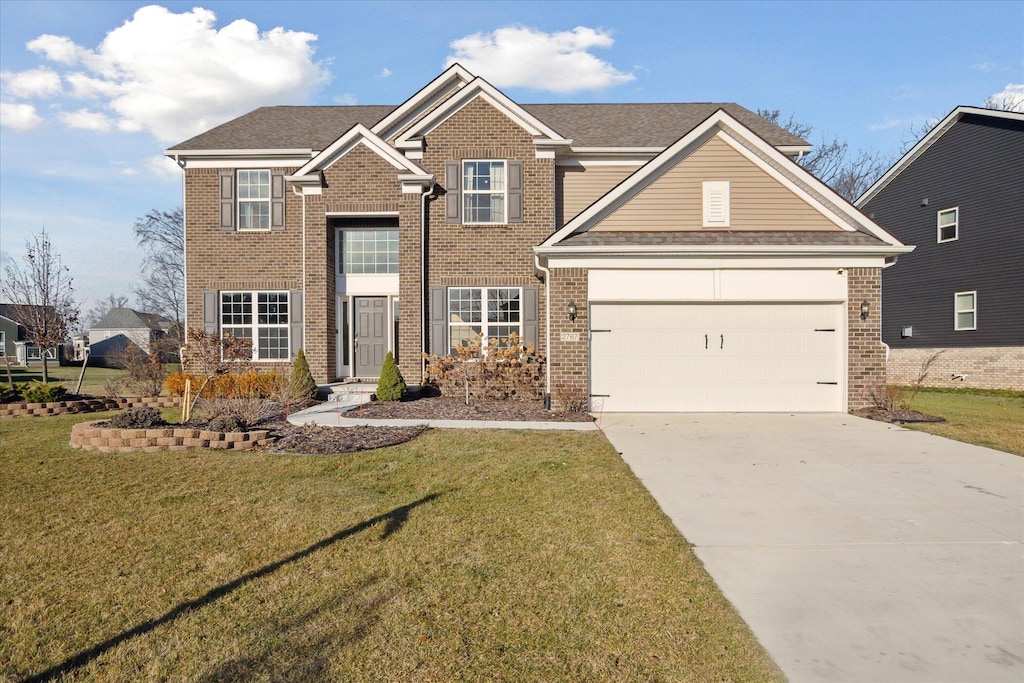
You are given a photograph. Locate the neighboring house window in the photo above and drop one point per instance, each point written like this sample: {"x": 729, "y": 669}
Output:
{"x": 483, "y": 312}
{"x": 253, "y": 200}
{"x": 948, "y": 221}
{"x": 261, "y": 317}
{"x": 3, "y": 343}
{"x": 33, "y": 353}
{"x": 716, "y": 203}
{"x": 965, "y": 306}
{"x": 369, "y": 251}
{"x": 483, "y": 191}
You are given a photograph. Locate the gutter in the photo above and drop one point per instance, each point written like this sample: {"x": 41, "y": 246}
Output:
{"x": 722, "y": 250}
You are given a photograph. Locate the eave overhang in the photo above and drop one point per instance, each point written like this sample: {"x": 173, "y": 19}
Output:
{"x": 703, "y": 251}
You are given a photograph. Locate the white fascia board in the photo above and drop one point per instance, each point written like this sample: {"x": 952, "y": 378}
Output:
{"x": 478, "y": 88}
{"x": 451, "y": 79}
{"x": 927, "y": 141}
{"x": 358, "y": 135}
{"x": 625, "y": 151}
{"x": 710, "y": 261}
{"x": 237, "y": 153}
{"x": 415, "y": 183}
{"x": 702, "y": 250}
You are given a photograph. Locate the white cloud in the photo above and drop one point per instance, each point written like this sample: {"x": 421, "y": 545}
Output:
{"x": 384, "y": 73}
{"x": 41, "y": 82}
{"x": 19, "y": 117}
{"x": 887, "y": 124}
{"x": 84, "y": 119}
{"x": 517, "y": 56}
{"x": 984, "y": 67}
{"x": 176, "y": 75}
{"x": 1010, "y": 99}
{"x": 347, "y": 99}
{"x": 163, "y": 167}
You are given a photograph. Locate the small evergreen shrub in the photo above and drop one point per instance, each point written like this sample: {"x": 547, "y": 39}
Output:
{"x": 37, "y": 392}
{"x": 138, "y": 418}
{"x": 228, "y": 423}
{"x": 391, "y": 385}
{"x": 9, "y": 393}
{"x": 302, "y": 388}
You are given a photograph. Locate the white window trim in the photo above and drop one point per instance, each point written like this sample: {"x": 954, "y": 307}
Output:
{"x": 716, "y": 203}
{"x": 239, "y": 199}
{"x": 255, "y": 326}
{"x": 483, "y": 324}
{"x": 467, "y": 192}
{"x": 939, "y": 226}
{"x": 973, "y": 310}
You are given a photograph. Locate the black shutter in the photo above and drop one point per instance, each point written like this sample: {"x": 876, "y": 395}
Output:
{"x": 515, "y": 192}
{"x": 531, "y": 315}
{"x": 277, "y": 193}
{"x": 439, "y": 321}
{"x": 295, "y": 319}
{"x": 227, "y": 200}
{"x": 452, "y": 197}
{"x": 211, "y": 311}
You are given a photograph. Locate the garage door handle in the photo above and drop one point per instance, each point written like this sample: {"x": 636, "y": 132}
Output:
{"x": 721, "y": 344}
{"x": 705, "y": 341}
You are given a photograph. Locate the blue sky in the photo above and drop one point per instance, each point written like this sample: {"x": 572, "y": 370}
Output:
{"x": 93, "y": 92}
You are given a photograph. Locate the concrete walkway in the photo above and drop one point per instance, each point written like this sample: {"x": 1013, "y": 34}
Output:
{"x": 855, "y": 550}
{"x": 343, "y": 412}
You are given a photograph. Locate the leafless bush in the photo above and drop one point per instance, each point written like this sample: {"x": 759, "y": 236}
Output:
{"x": 891, "y": 397}
{"x": 507, "y": 369}
{"x": 250, "y": 410}
{"x": 572, "y": 398}
{"x": 144, "y": 372}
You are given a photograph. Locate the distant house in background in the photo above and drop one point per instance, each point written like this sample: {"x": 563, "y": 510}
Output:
{"x": 79, "y": 347}
{"x": 959, "y": 196}
{"x": 15, "y": 343}
{"x": 122, "y": 328}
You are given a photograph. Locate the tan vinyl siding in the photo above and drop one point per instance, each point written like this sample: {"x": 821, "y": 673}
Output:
{"x": 577, "y": 187}
{"x": 673, "y": 202}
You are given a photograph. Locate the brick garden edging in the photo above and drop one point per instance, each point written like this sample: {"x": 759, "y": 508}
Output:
{"x": 89, "y": 437}
{"x": 85, "y": 405}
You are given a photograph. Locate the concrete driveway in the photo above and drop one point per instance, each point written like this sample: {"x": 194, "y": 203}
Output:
{"x": 855, "y": 550}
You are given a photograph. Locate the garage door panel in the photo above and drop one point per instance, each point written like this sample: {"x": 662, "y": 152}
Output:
{"x": 716, "y": 357}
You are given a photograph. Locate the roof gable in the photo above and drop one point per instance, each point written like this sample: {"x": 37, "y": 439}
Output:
{"x": 309, "y": 175}
{"x": 744, "y": 141}
{"x": 128, "y": 318}
{"x": 925, "y": 143}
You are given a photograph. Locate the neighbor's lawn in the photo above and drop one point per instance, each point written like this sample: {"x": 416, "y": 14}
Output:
{"x": 470, "y": 555}
{"x": 992, "y": 421}
{"x": 93, "y": 384}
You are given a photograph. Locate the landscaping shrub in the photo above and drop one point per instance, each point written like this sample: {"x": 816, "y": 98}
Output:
{"x": 302, "y": 388}
{"x": 228, "y": 423}
{"x": 391, "y": 385}
{"x": 37, "y": 392}
{"x": 9, "y": 393}
{"x": 508, "y": 368}
{"x": 144, "y": 372}
{"x": 138, "y": 418}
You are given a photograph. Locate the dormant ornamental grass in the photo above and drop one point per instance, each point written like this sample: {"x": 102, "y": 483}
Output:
{"x": 462, "y": 555}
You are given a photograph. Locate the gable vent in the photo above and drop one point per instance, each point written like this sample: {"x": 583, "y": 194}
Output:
{"x": 716, "y": 203}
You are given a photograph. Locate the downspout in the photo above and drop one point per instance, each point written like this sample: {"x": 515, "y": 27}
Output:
{"x": 296, "y": 192}
{"x": 184, "y": 270}
{"x": 428, "y": 195}
{"x": 547, "y": 329}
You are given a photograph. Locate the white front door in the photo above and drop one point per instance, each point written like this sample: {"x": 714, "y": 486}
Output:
{"x": 717, "y": 357}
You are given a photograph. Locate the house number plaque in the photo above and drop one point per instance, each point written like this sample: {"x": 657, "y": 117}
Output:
{"x": 570, "y": 336}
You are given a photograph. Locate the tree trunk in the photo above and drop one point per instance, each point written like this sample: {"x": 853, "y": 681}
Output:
{"x": 46, "y": 374}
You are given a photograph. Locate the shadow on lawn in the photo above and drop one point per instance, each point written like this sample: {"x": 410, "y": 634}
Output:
{"x": 394, "y": 520}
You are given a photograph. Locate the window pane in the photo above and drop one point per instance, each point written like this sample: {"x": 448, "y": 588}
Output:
{"x": 369, "y": 251}
{"x": 965, "y": 320}
{"x": 503, "y": 306}
{"x": 273, "y": 343}
{"x": 464, "y": 335}
{"x": 464, "y": 305}
{"x": 964, "y": 302}
{"x": 947, "y": 217}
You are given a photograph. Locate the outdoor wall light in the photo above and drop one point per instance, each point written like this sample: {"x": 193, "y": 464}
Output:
{"x": 572, "y": 310}
{"x": 865, "y": 308}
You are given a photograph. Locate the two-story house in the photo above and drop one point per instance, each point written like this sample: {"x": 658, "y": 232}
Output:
{"x": 662, "y": 257}
{"x": 958, "y": 195}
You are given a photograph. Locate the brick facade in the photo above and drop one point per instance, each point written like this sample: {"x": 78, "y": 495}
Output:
{"x": 570, "y": 342}
{"x": 985, "y": 367}
{"x": 865, "y": 353}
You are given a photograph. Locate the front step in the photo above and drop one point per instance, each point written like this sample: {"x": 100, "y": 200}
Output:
{"x": 352, "y": 392}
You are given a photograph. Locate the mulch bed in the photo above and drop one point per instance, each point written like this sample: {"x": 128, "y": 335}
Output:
{"x": 316, "y": 440}
{"x": 897, "y": 416}
{"x": 441, "y": 408}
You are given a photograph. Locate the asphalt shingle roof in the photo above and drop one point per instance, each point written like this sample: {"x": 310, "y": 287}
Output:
{"x": 594, "y": 238}
{"x": 127, "y": 318}
{"x": 588, "y": 125}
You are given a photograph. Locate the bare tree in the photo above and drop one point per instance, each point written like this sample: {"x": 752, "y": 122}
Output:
{"x": 1011, "y": 99}
{"x": 102, "y": 307}
{"x": 831, "y": 160}
{"x": 161, "y": 234}
{"x": 40, "y": 288}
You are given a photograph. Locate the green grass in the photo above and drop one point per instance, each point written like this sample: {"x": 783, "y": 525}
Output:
{"x": 93, "y": 384}
{"x": 994, "y": 420}
{"x": 464, "y": 554}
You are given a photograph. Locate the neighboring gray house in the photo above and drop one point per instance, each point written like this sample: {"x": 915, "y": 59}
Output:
{"x": 8, "y": 337}
{"x": 958, "y": 195}
{"x": 13, "y": 342}
{"x": 124, "y": 327}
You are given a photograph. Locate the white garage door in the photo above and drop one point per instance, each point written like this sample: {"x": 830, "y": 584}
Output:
{"x": 716, "y": 357}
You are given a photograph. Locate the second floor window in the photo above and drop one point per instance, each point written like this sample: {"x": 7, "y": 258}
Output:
{"x": 253, "y": 200}
{"x": 948, "y": 220}
{"x": 483, "y": 191}
{"x": 365, "y": 251}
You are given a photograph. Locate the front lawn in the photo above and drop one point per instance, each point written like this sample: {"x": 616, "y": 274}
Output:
{"x": 992, "y": 420}
{"x": 463, "y": 554}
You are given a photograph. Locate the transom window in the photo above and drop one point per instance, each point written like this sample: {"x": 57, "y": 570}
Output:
{"x": 253, "y": 200}
{"x": 483, "y": 192}
{"x": 260, "y": 317}
{"x": 965, "y": 310}
{"x": 483, "y": 312}
{"x": 369, "y": 251}
{"x": 948, "y": 220}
